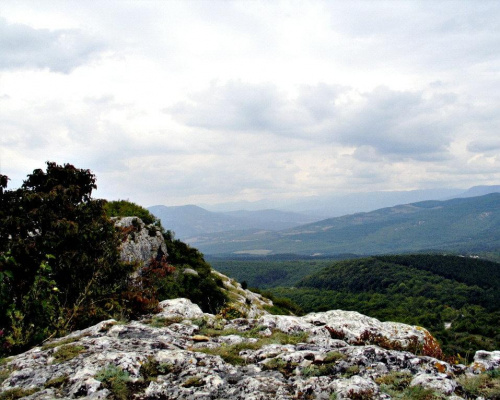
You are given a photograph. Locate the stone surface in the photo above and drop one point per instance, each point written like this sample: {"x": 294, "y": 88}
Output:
{"x": 182, "y": 361}
{"x": 486, "y": 361}
{"x": 142, "y": 243}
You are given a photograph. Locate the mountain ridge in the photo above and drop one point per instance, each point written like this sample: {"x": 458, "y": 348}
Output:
{"x": 461, "y": 224}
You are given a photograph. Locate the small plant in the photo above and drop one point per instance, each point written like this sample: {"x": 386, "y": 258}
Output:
{"x": 160, "y": 322}
{"x": 351, "y": 371}
{"x": 231, "y": 353}
{"x": 193, "y": 381}
{"x": 4, "y": 374}
{"x": 364, "y": 394}
{"x": 421, "y": 393}
{"x": 58, "y": 382}
{"x": 319, "y": 370}
{"x": 334, "y": 356}
{"x": 335, "y": 333}
{"x": 278, "y": 364}
{"x": 17, "y": 393}
{"x": 395, "y": 382}
{"x": 67, "y": 352}
{"x": 230, "y": 313}
{"x": 485, "y": 385}
{"x": 152, "y": 368}
{"x": 115, "y": 379}
{"x": 61, "y": 342}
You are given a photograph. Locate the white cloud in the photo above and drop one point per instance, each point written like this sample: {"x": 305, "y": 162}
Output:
{"x": 176, "y": 102}
{"x": 22, "y": 46}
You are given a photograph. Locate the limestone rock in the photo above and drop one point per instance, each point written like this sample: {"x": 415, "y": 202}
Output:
{"x": 182, "y": 308}
{"x": 248, "y": 303}
{"x": 486, "y": 361}
{"x": 441, "y": 383}
{"x": 142, "y": 243}
{"x": 232, "y": 361}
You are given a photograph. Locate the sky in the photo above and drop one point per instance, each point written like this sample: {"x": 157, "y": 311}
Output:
{"x": 203, "y": 102}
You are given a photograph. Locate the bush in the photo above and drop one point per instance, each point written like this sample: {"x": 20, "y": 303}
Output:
{"x": 115, "y": 379}
{"x": 60, "y": 267}
{"x": 59, "y": 261}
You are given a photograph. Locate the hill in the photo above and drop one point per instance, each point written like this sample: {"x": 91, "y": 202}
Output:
{"x": 458, "y": 225}
{"x": 457, "y": 298}
{"x": 191, "y": 221}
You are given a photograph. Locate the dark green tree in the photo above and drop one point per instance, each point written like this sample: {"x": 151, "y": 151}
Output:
{"x": 59, "y": 261}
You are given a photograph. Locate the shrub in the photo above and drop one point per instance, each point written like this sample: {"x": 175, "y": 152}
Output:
{"x": 58, "y": 257}
{"x": 125, "y": 208}
{"x": 485, "y": 385}
{"x": 115, "y": 379}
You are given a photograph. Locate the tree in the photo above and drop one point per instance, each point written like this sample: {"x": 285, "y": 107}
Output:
{"x": 59, "y": 261}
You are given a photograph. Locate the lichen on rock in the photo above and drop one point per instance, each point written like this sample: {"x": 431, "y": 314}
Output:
{"x": 233, "y": 359}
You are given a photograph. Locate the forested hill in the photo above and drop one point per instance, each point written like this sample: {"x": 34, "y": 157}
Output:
{"x": 457, "y": 298}
{"x": 457, "y": 225}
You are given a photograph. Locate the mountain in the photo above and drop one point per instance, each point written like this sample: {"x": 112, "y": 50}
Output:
{"x": 191, "y": 221}
{"x": 460, "y": 225}
{"x": 480, "y": 191}
{"x": 338, "y": 204}
{"x": 343, "y": 204}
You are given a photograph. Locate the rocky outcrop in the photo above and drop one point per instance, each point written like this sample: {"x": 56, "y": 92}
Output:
{"x": 246, "y": 302}
{"x": 183, "y": 353}
{"x": 141, "y": 243}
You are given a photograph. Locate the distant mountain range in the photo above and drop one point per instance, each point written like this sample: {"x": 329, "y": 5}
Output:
{"x": 336, "y": 205}
{"x": 190, "y": 221}
{"x": 467, "y": 224}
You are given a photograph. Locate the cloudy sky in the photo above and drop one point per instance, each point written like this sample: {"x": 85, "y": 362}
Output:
{"x": 178, "y": 102}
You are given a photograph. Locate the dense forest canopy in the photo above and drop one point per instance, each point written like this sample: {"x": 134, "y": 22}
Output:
{"x": 457, "y": 298}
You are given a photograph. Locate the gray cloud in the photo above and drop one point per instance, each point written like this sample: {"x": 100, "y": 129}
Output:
{"x": 239, "y": 106}
{"x": 489, "y": 146}
{"x": 263, "y": 99}
{"x": 400, "y": 124}
{"x": 60, "y": 51}
{"x": 395, "y": 124}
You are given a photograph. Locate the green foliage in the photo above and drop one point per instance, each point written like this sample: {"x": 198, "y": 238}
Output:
{"x": 60, "y": 267}
{"x": 193, "y": 381}
{"x": 467, "y": 225}
{"x": 486, "y": 385}
{"x": 115, "y": 379}
{"x": 152, "y": 368}
{"x": 17, "y": 393}
{"x": 125, "y": 208}
{"x": 281, "y": 305}
{"x": 67, "y": 352}
{"x": 57, "y": 382}
{"x": 230, "y": 353}
{"x": 265, "y": 274}
{"x": 202, "y": 289}
{"x": 163, "y": 280}
{"x": 397, "y": 385}
{"x": 4, "y": 374}
{"x": 47, "y": 346}
{"x": 413, "y": 289}
{"x": 59, "y": 259}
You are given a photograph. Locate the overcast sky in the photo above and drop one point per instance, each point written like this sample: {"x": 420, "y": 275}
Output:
{"x": 179, "y": 102}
